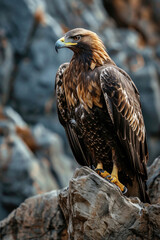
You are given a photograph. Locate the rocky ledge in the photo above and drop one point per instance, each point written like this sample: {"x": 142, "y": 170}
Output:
{"x": 90, "y": 208}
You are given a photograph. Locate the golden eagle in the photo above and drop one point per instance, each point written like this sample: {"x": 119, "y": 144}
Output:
{"x": 99, "y": 107}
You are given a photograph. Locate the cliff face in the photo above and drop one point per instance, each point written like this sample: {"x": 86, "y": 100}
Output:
{"x": 90, "y": 208}
{"x": 31, "y": 153}
{"x": 31, "y": 161}
{"x": 39, "y": 217}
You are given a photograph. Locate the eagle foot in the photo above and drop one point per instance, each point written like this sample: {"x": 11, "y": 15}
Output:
{"x": 102, "y": 172}
{"x": 115, "y": 180}
{"x": 113, "y": 177}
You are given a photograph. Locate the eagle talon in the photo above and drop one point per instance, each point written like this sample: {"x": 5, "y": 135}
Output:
{"x": 118, "y": 184}
{"x": 99, "y": 171}
{"x": 109, "y": 178}
{"x": 102, "y": 173}
{"x": 114, "y": 180}
{"x": 124, "y": 190}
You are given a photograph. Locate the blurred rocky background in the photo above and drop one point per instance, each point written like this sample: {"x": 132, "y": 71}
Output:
{"x": 34, "y": 154}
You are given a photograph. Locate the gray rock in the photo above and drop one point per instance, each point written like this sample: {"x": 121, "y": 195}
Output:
{"x": 141, "y": 16}
{"x": 51, "y": 149}
{"x": 17, "y": 18}
{"x": 33, "y": 88}
{"x": 32, "y": 161}
{"x": 39, "y": 217}
{"x": 34, "y": 84}
{"x": 122, "y": 39}
{"x": 14, "y": 117}
{"x": 158, "y": 51}
{"x": 156, "y": 9}
{"x": 73, "y": 14}
{"x": 91, "y": 208}
{"x": 95, "y": 209}
{"x": 153, "y": 182}
{"x": 6, "y": 66}
{"x": 22, "y": 174}
{"x": 35, "y": 65}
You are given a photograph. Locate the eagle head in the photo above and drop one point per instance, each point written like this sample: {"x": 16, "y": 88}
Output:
{"x": 86, "y": 44}
{"x": 79, "y": 39}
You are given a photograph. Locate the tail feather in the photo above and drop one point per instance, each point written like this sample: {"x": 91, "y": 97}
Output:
{"x": 138, "y": 189}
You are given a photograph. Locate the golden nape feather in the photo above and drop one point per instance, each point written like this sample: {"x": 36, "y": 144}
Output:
{"x": 99, "y": 106}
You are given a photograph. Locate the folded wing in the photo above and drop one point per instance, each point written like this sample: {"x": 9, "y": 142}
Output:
{"x": 123, "y": 104}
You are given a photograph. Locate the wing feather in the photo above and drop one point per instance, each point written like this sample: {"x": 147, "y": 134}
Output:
{"x": 120, "y": 91}
{"x": 76, "y": 145}
{"x": 75, "y": 142}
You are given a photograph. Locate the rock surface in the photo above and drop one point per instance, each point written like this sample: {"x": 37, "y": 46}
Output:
{"x": 95, "y": 209}
{"x": 140, "y": 15}
{"x": 153, "y": 182}
{"x": 32, "y": 161}
{"x": 31, "y": 150}
{"x": 39, "y": 217}
{"x": 90, "y": 208}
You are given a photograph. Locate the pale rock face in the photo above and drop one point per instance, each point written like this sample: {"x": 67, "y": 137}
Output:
{"x": 153, "y": 182}
{"x": 90, "y": 208}
{"x": 33, "y": 220}
{"x": 96, "y": 209}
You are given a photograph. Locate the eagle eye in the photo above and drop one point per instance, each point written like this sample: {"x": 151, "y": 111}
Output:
{"x": 76, "y": 38}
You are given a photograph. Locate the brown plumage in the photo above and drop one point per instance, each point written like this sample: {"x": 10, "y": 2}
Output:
{"x": 99, "y": 107}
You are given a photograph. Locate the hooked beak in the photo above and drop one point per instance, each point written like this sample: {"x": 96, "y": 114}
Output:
{"x": 62, "y": 44}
